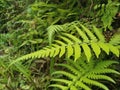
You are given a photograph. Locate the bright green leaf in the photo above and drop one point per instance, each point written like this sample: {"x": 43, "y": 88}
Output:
{"x": 62, "y": 51}
{"x": 104, "y": 46}
{"x": 69, "y": 51}
{"x": 77, "y": 51}
{"x": 96, "y": 49}
{"x": 87, "y": 51}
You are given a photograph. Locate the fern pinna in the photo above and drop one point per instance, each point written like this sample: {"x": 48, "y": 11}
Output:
{"x": 81, "y": 75}
{"x": 81, "y": 40}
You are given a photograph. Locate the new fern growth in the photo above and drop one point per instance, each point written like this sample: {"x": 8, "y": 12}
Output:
{"x": 81, "y": 75}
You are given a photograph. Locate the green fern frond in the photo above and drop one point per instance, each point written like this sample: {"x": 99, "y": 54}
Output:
{"x": 85, "y": 41}
{"x": 83, "y": 79}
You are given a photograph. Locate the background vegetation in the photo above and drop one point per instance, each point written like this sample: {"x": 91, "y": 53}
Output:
{"x": 59, "y": 44}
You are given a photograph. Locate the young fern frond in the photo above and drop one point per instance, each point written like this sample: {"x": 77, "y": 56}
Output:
{"x": 84, "y": 41}
{"x": 82, "y": 79}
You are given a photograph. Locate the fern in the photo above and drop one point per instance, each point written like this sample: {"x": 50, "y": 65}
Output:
{"x": 80, "y": 75}
{"x": 85, "y": 41}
